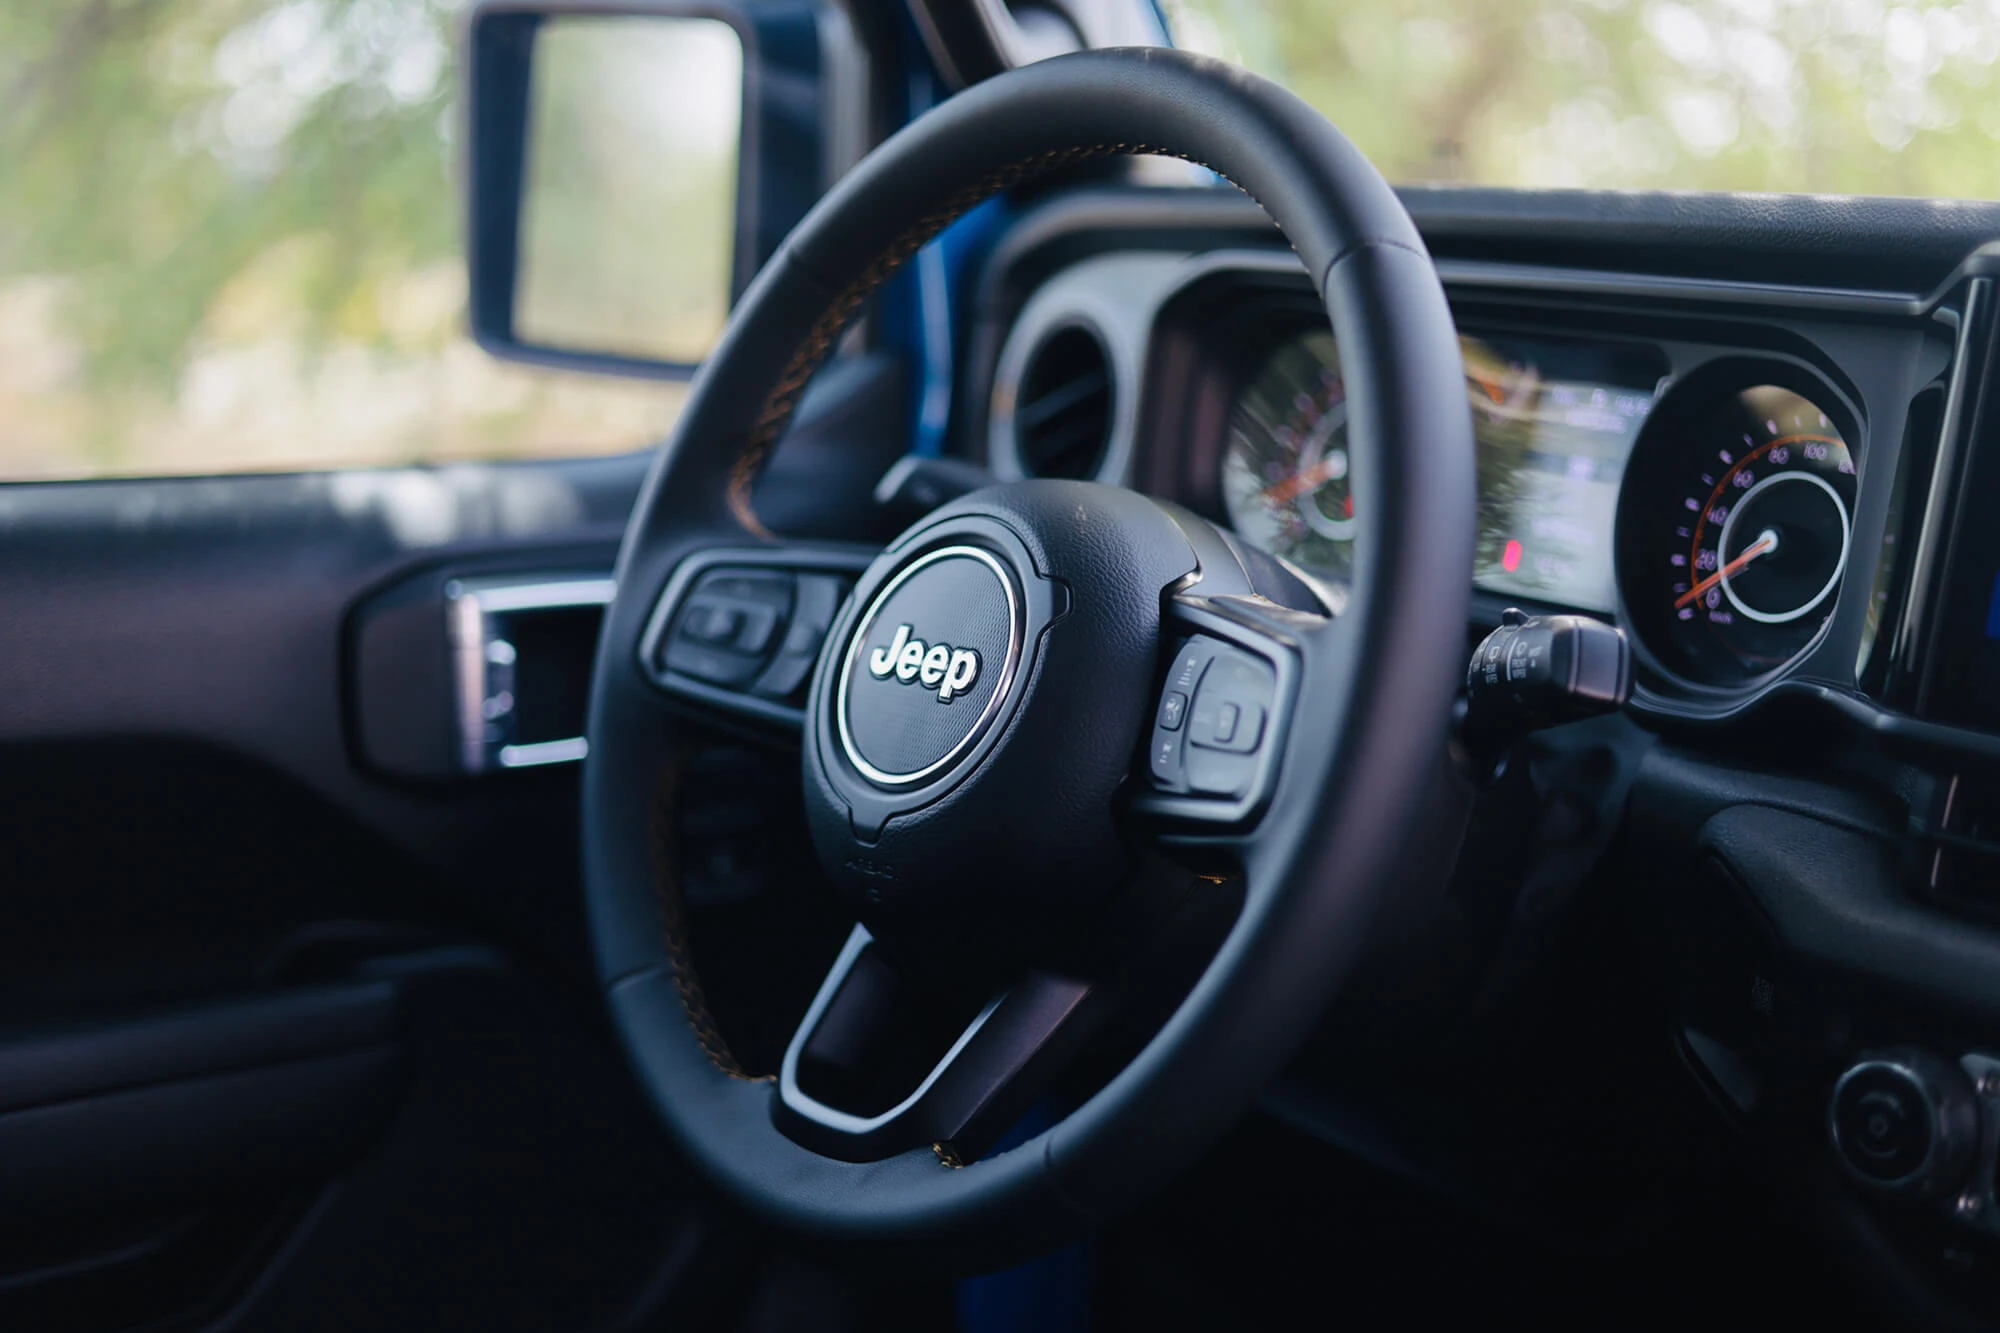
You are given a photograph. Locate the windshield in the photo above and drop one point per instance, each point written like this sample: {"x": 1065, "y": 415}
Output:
{"x": 1822, "y": 96}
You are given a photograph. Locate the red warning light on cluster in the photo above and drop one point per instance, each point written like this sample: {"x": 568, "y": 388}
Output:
{"x": 1510, "y": 556}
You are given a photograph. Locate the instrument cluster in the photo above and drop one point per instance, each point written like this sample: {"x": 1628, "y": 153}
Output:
{"x": 1711, "y": 513}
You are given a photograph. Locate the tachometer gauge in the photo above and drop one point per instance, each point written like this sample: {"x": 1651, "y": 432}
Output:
{"x": 1746, "y": 532}
{"x": 1284, "y": 477}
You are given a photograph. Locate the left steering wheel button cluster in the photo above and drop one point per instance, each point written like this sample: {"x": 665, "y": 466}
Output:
{"x": 750, "y": 630}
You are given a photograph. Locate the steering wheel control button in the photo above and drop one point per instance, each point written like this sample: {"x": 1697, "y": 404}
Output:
{"x": 712, "y": 624}
{"x": 1189, "y": 663}
{"x": 1904, "y": 1121}
{"x": 1231, "y": 724}
{"x": 728, "y": 624}
{"x": 1249, "y": 732}
{"x": 756, "y": 627}
{"x": 929, "y": 665}
{"x": 1229, "y": 708}
{"x": 1168, "y": 744}
{"x": 1219, "y": 773}
{"x": 816, "y": 600}
{"x": 1211, "y": 721}
{"x": 1169, "y": 741}
{"x": 1167, "y": 764}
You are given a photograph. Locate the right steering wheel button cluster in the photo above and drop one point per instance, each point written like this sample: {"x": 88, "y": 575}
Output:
{"x": 1228, "y": 694}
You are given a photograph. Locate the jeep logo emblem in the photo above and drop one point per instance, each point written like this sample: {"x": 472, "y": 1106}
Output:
{"x": 962, "y": 594}
{"x": 935, "y": 666}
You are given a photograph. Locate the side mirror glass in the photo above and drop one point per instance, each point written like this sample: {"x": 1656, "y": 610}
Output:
{"x": 606, "y": 154}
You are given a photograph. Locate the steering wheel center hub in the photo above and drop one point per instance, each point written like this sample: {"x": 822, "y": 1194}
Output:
{"x": 980, "y": 706}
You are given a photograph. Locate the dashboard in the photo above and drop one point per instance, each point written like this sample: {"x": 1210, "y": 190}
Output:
{"x": 1723, "y": 479}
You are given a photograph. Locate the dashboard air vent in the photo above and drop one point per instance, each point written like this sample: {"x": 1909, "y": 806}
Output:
{"x": 1962, "y": 861}
{"x": 1062, "y": 414}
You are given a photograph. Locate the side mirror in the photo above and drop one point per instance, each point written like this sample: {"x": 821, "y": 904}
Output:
{"x": 609, "y": 181}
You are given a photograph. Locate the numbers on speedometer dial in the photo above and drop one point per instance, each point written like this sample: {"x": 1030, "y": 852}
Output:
{"x": 1761, "y": 530}
{"x": 1284, "y": 475}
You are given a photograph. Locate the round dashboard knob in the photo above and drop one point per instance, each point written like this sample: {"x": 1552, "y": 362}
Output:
{"x": 1904, "y": 1121}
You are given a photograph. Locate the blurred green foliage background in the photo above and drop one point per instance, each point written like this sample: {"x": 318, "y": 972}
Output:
{"x": 229, "y": 235}
{"x": 230, "y": 239}
{"x": 1833, "y": 96}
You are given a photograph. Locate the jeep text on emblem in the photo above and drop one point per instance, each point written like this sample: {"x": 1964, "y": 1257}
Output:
{"x": 967, "y": 597}
{"x": 937, "y": 666}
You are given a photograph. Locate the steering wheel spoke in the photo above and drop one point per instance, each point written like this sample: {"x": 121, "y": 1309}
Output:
{"x": 736, "y": 631}
{"x": 883, "y": 1063}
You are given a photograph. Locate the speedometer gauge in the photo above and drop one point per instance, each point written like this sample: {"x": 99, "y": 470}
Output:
{"x": 1740, "y": 537}
{"x": 1284, "y": 477}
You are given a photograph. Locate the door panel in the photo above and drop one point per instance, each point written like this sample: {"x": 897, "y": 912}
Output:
{"x": 289, "y": 1039}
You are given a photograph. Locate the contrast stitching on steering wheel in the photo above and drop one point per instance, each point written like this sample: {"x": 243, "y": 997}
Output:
{"x": 784, "y": 398}
{"x": 673, "y": 924}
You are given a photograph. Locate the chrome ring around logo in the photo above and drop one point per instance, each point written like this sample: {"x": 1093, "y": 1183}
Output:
{"x": 860, "y": 639}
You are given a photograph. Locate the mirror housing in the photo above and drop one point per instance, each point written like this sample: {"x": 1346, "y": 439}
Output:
{"x": 565, "y": 268}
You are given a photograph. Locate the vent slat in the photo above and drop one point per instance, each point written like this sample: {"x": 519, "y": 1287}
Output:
{"x": 1062, "y": 421}
{"x": 1060, "y": 399}
{"x": 1067, "y": 453}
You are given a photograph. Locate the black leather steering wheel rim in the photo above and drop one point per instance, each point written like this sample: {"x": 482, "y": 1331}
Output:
{"x": 1358, "y": 762}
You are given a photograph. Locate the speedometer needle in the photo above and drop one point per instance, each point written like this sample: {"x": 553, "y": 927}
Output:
{"x": 1307, "y": 479}
{"x": 1767, "y": 542}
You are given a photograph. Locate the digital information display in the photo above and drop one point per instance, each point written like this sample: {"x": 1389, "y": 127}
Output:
{"x": 1554, "y": 420}
{"x": 1555, "y": 423}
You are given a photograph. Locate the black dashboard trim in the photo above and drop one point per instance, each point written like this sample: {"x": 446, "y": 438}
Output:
{"x": 1543, "y": 279}
{"x": 1876, "y": 243}
{"x": 1918, "y": 249}
{"x": 1916, "y": 633}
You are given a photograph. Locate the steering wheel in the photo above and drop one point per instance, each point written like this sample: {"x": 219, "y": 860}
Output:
{"x": 1058, "y": 739}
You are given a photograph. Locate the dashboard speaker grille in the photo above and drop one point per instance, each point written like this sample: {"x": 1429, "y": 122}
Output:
{"x": 1062, "y": 415}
